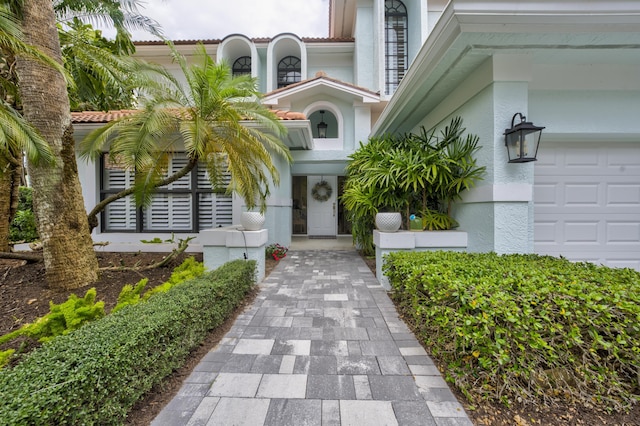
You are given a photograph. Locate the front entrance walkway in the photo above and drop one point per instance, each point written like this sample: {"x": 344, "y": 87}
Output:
{"x": 321, "y": 345}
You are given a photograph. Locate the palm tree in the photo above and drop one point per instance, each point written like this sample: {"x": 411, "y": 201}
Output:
{"x": 98, "y": 67}
{"x": 57, "y": 195}
{"x": 17, "y": 136}
{"x": 70, "y": 261}
{"x": 208, "y": 118}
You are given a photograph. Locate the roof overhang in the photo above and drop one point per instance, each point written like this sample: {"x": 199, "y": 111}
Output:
{"x": 298, "y": 137}
{"x": 342, "y": 18}
{"x": 470, "y": 32}
{"x": 324, "y": 86}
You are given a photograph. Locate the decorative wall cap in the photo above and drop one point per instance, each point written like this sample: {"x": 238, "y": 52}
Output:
{"x": 410, "y": 240}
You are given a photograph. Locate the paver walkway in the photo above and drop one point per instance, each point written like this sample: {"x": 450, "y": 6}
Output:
{"x": 321, "y": 345}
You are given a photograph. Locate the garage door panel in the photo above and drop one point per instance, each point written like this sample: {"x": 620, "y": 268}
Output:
{"x": 623, "y": 232}
{"x": 581, "y": 232}
{"x": 621, "y": 161}
{"x": 623, "y": 195}
{"x": 581, "y": 194}
{"x": 587, "y": 203}
{"x": 616, "y": 195}
{"x": 612, "y": 259}
{"x": 545, "y": 194}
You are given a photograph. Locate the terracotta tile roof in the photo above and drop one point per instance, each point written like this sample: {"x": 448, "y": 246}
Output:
{"x": 100, "y": 116}
{"x": 106, "y": 117}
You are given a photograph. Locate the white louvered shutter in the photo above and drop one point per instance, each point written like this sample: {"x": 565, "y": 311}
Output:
{"x": 171, "y": 212}
{"x": 215, "y": 209}
{"x": 119, "y": 215}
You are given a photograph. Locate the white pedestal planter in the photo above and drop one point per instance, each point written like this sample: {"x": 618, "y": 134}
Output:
{"x": 221, "y": 245}
{"x": 414, "y": 241}
{"x": 252, "y": 221}
{"x": 388, "y": 222}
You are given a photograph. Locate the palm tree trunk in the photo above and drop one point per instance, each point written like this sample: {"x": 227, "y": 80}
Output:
{"x": 70, "y": 261}
{"x": 5, "y": 202}
{"x": 10, "y": 178}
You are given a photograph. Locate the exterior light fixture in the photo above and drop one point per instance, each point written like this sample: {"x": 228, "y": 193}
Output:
{"x": 522, "y": 140}
{"x": 322, "y": 126}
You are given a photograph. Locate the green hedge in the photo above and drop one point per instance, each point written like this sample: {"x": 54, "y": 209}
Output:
{"x": 525, "y": 328}
{"x": 95, "y": 374}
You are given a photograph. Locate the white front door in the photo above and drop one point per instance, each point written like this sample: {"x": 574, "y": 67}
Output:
{"x": 322, "y": 216}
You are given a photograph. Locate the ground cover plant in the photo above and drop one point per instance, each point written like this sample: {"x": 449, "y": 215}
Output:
{"x": 95, "y": 374}
{"x": 525, "y": 328}
{"x": 75, "y": 312}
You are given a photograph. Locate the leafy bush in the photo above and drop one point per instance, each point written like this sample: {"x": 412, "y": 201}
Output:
{"x": 66, "y": 317}
{"x": 130, "y": 295}
{"x": 420, "y": 173}
{"x": 187, "y": 270}
{"x": 23, "y": 226}
{"x": 76, "y": 312}
{"x": 276, "y": 251}
{"x": 5, "y": 356}
{"x": 95, "y": 374}
{"x": 61, "y": 319}
{"x": 525, "y": 327}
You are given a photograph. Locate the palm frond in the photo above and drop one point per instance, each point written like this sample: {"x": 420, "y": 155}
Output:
{"x": 17, "y": 135}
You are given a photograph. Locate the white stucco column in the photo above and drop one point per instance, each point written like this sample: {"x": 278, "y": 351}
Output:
{"x": 498, "y": 213}
{"x": 362, "y": 124}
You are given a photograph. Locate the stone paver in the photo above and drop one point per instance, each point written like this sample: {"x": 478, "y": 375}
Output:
{"x": 321, "y": 345}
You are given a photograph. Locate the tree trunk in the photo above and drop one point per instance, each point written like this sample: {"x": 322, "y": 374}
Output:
{"x": 70, "y": 261}
{"x": 5, "y": 202}
{"x": 10, "y": 162}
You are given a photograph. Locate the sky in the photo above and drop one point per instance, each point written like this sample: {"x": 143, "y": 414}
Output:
{"x": 216, "y": 19}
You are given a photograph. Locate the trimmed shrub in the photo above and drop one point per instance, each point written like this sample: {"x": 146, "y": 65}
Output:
{"x": 525, "y": 328}
{"x": 95, "y": 374}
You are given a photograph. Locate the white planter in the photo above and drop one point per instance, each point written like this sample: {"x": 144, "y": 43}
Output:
{"x": 252, "y": 221}
{"x": 388, "y": 222}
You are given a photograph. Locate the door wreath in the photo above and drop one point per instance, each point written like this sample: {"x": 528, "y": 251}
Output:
{"x": 321, "y": 191}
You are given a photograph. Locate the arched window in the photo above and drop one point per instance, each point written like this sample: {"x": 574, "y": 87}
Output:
{"x": 241, "y": 66}
{"x": 396, "y": 57}
{"x": 289, "y": 71}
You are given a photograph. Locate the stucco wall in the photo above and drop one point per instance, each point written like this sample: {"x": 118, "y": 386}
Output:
{"x": 496, "y": 214}
{"x": 365, "y": 76}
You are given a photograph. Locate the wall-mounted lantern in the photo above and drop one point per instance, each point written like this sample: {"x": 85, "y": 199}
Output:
{"x": 322, "y": 126}
{"x": 522, "y": 140}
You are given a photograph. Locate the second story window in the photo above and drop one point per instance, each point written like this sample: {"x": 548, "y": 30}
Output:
{"x": 396, "y": 55}
{"x": 289, "y": 71}
{"x": 242, "y": 66}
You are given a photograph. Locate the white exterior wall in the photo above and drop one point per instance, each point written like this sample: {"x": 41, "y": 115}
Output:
{"x": 366, "y": 47}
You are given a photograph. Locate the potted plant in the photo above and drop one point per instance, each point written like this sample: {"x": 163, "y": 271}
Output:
{"x": 420, "y": 173}
{"x": 252, "y": 221}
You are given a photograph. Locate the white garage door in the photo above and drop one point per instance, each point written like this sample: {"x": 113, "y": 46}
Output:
{"x": 587, "y": 202}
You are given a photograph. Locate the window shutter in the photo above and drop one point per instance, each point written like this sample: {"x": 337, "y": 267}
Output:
{"x": 169, "y": 212}
{"x": 224, "y": 210}
{"x": 119, "y": 215}
{"x": 177, "y": 163}
{"x": 215, "y": 209}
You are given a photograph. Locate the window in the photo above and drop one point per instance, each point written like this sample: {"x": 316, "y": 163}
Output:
{"x": 289, "y": 71}
{"x": 186, "y": 205}
{"x": 395, "y": 22}
{"x": 242, "y": 66}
